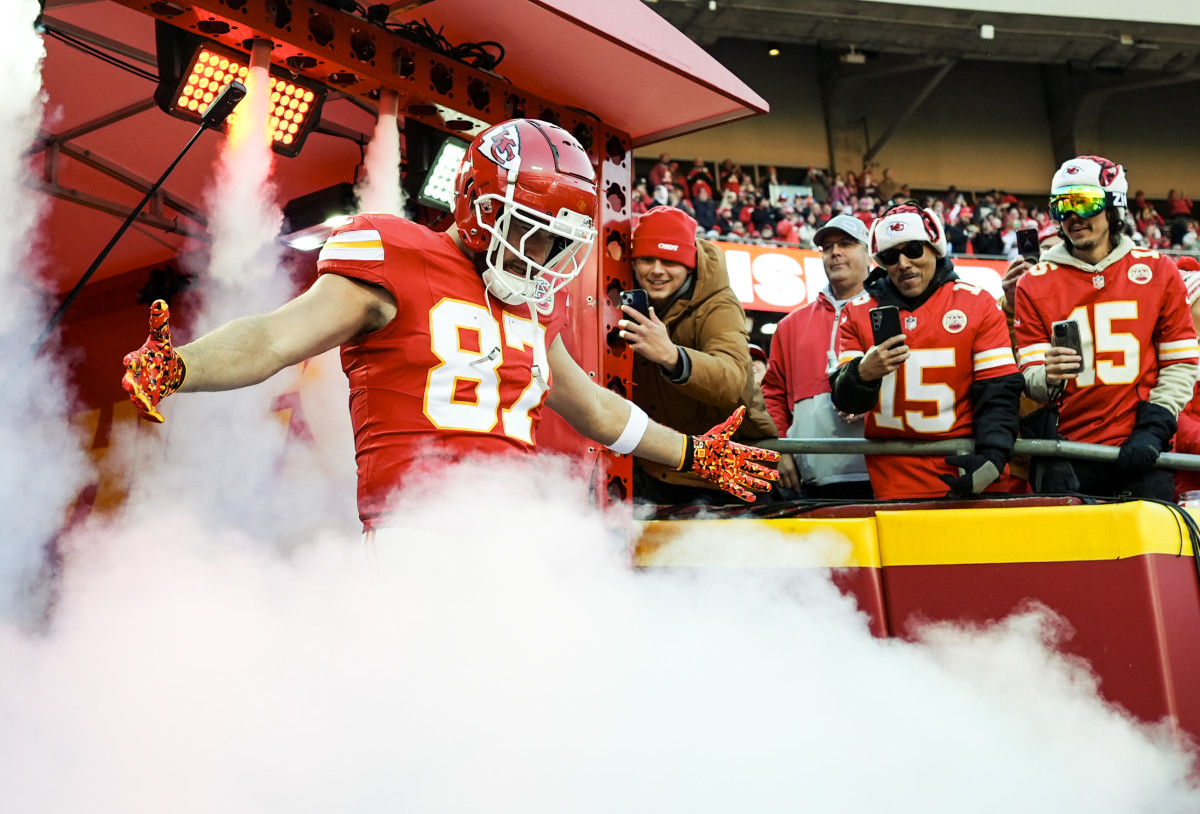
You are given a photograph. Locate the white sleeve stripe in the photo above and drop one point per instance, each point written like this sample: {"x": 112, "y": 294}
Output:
{"x": 993, "y": 353}
{"x": 850, "y": 355}
{"x": 1032, "y": 353}
{"x": 1182, "y": 343}
{"x": 991, "y": 363}
{"x": 356, "y": 236}
{"x": 1187, "y": 353}
{"x": 349, "y": 253}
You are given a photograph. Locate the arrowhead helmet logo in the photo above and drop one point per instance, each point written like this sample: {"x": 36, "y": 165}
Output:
{"x": 503, "y": 146}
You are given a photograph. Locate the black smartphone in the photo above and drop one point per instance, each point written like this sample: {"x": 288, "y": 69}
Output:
{"x": 1065, "y": 334}
{"x": 638, "y": 300}
{"x": 885, "y": 323}
{"x": 1027, "y": 245}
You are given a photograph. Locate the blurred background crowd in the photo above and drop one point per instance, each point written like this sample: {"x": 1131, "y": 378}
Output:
{"x": 787, "y": 205}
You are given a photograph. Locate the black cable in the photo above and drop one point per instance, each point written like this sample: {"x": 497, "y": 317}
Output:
{"x": 103, "y": 56}
{"x": 476, "y": 54}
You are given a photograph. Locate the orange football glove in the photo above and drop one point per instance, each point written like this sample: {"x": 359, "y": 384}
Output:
{"x": 153, "y": 371}
{"x": 729, "y": 465}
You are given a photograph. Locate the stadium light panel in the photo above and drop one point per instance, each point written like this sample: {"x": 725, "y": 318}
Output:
{"x": 438, "y": 190}
{"x": 187, "y": 90}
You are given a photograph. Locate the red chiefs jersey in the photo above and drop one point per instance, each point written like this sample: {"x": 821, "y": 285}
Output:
{"x": 955, "y": 337}
{"x": 450, "y": 375}
{"x": 1133, "y": 319}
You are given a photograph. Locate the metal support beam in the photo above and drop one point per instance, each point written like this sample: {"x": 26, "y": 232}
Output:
{"x": 92, "y": 38}
{"x": 899, "y": 121}
{"x": 98, "y": 123}
{"x": 132, "y": 180}
{"x": 119, "y": 210}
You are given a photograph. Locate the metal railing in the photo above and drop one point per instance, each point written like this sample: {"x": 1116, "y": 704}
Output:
{"x": 958, "y": 446}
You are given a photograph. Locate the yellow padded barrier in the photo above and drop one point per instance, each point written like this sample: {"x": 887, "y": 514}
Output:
{"x": 1032, "y": 534}
{"x": 749, "y": 543}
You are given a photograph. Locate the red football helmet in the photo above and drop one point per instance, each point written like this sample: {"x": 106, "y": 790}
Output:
{"x": 533, "y": 175}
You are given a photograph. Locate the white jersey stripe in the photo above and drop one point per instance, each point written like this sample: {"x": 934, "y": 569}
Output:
{"x": 849, "y": 355}
{"x": 1032, "y": 353}
{"x": 1182, "y": 343}
{"x": 356, "y": 236}
{"x": 350, "y": 253}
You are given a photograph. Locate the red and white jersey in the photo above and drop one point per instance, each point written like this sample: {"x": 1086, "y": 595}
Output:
{"x": 956, "y": 337}
{"x": 1133, "y": 319}
{"x": 450, "y": 375}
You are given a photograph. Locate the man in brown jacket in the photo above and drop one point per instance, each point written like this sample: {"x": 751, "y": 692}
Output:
{"x": 692, "y": 365}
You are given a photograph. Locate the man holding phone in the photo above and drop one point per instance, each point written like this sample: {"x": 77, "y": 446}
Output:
{"x": 1139, "y": 355}
{"x": 692, "y": 350}
{"x": 927, "y": 357}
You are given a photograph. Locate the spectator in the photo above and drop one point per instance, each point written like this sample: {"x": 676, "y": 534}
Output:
{"x": 1179, "y": 213}
{"x": 987, "y": 241}
{"x": 956, "y": 235}
{"x": 959, "y": 377}
{"x": 1188, "y": 438}
{"x": 887, "y": 187}
{"x": 803, "y": 353}
{"x": 706, "y": 208}
{"x": 770, "y": 179}
{"x": 866, "y": 211}
{"x": 1140, "y": 354}
{"x": 692, "y": 352}
{"x": 399, "y": 296}
{"x": 660, "y": 173}
{"x": 640, "y": 202}
{"x": 661, "y": 196}
{"x": 758, "y": 363}
{"x": 839, "y": 195}
{"x": 699, "y": 178}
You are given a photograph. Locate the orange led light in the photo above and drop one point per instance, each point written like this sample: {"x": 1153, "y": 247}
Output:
{"x": 287, "y": 139}
{"x": 208, "y": 97}
{"x": 193, "y": 79}
{"x": 223, "y": 64}
{"x": 213, "y": 60}
{"x": 293, "y": 127}
{"x": 208, "y": 71}
{"x": 192, "y": 105}
{"x": 183, "y": 100}
{"x": 303, "y": 107}
{"x": 308, "y": 96}
{"x": 275, "y": 97}
{"x": 277, "y": 135}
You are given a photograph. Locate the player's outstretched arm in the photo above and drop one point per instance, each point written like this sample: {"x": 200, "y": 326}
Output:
{"x": 605, "y": 417}
{"x": 252, "y": 349}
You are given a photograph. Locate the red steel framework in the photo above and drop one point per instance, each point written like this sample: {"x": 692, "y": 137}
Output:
{"x": 358, "y": 58}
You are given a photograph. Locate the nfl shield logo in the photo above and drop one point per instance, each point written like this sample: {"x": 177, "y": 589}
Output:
{"x": 910, "y": 322}
{"x": 1098, "y": 281}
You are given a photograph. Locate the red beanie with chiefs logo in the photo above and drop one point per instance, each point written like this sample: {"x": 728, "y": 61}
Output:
{"x": 668, "y": 234}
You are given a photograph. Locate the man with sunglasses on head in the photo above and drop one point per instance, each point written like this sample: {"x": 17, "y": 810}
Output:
{"x": 1129, "y": 305}
{"x": 950, "y": 373}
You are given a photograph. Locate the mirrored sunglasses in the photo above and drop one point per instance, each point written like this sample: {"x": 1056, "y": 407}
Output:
{"x": 911, "y": 250}
{"x": 1082, "y": 201}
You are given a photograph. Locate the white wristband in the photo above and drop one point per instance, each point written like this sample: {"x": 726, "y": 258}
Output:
{"x": 635, "y": 428}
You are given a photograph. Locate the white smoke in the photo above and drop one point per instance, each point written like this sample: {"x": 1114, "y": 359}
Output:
{"x": 43, "y": 466}
{"x": 380, "y": 190}
{"x": 501, "y": 655}
{"x": 240, "y": 442}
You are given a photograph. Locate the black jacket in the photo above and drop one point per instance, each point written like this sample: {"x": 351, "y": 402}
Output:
{"x": 995, "y": 402}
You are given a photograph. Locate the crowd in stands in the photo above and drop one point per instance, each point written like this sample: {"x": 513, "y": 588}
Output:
{"x": 731, "y": 204}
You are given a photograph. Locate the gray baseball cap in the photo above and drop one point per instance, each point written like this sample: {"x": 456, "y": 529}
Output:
{"x": 847, "y": 224}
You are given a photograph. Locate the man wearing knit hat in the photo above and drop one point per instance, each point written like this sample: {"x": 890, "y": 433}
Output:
{"x": 692, "y": 351}
{"x": 949, "y": 374}
{"x": 1140, "y": 355}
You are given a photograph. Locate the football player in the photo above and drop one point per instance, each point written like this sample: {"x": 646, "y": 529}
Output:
{"x": 450, "y": 340}
{"x": 1139, "y": 353}
{"x": 949, "y": 373}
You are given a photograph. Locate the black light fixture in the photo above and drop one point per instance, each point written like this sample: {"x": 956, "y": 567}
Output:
{"x": 192, "y": 71}
{"x": 438, "y": 190}
{"x": 309, "y": 220}
{"x": 431, "y": 161}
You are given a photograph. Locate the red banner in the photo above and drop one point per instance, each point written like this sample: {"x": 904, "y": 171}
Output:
{"x": 772, "y": 278}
